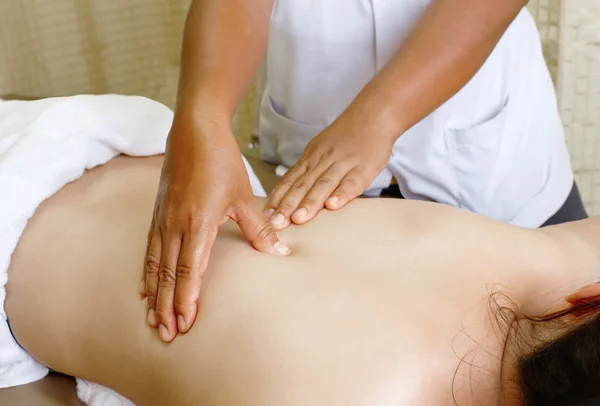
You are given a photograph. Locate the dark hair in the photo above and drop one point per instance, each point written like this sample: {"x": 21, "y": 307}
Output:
{"x": 564, "y": 371}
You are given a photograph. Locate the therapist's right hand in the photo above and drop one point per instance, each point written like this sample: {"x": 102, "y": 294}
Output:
{"x": 203, "y": 184}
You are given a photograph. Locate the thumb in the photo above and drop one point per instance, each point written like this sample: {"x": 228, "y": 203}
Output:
{"x": 258, "y": 230}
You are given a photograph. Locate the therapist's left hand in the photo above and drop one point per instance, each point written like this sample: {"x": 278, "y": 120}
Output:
{"x": 336, "y": 167}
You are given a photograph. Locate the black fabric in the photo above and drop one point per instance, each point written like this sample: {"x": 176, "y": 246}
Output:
{"x": 392, "y": 191}
{"x": 571, "y": 210}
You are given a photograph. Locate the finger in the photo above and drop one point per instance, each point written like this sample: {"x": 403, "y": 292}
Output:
{"x": 291, "y": 201}
{"x": 151, "y": 266}
{"x": 349, "y": 188}
{"x": 283, "y": 185}
{"x": 586, "y": 293}
{"x": 191, "y": 265}
{"x": 258, "y": 230}
{"x": 142, "y": 288}
{"x": 322, "y": 189}
{"x": 281, "y": 217}
{"x": 150, "y": 235}
{"x": 165, "y": 311}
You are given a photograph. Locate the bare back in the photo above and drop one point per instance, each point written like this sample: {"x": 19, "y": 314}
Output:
{"x": 375, "y": 306}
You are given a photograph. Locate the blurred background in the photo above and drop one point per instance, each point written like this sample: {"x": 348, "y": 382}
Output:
{"x": 65, "y": 47}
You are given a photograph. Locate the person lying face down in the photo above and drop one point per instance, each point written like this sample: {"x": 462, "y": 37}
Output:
{"x": 450, "y": 308}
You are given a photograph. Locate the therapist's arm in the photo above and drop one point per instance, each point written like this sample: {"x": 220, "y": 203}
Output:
{"x": 224, "y": 43}
{"x": 442, "y": 54}
{"x": 204, "y": 181}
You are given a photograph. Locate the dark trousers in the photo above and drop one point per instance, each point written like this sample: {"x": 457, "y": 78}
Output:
{"x": 571, "y": 210}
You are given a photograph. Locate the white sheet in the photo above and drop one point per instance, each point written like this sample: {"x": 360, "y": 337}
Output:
{"x": 43, "y": 146}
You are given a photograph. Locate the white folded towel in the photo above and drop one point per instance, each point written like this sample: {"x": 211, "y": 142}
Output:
{"x": 43, "y": 146}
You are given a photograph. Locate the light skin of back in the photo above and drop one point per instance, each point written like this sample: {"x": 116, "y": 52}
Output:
{"x": 365, "y": 312}
{"x": 203, "y": 182}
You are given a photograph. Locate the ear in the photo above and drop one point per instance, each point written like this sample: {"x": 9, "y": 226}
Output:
{"x": 584, "y": 294}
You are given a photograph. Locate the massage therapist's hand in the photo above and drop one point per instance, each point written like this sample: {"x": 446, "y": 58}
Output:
{"x": 337, "y": 166}
{"x": 203, "y": 184}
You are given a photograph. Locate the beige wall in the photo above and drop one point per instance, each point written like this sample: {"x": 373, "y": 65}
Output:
{"x": 579, "y": 90}
{"x": 61, "y": 47}
{"x": 64, "y": 47}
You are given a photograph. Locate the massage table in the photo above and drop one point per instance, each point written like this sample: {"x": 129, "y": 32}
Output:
{"x": 59, "y": 390}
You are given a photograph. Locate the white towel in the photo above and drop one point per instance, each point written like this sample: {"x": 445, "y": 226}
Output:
{"x": 43, "y": 146}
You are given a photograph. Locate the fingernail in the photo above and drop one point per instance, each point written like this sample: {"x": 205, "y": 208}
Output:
{"x": 278, "y": 220}
{"x": 334, "y": 200}
{"x": 269, "y": 213}
{"x": 142, "y": 287}
{"x": 301, "y": 212}
{"x": 181, "y": 324}
{"x": 281, "y": 248}
{"x": 163, "y": 333}
{"x": 151, "y": 317}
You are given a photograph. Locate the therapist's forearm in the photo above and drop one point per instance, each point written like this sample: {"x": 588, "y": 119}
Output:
{"x": 445, "y": 50}
{"x": 224, "y": 43}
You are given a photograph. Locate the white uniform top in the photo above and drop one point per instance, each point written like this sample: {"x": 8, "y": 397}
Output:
{"x": 496, "y": 148}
